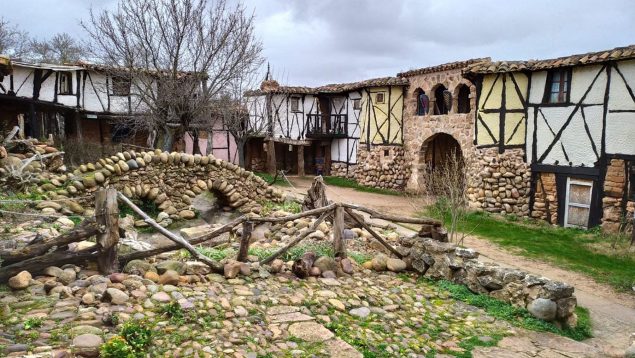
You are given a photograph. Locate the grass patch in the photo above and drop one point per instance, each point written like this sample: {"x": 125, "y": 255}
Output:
{"x": 269, "y": 206}
{"x": 280, "y": 181}
{"x": 572, "y": 248}
{"x": 350, "y": 183}
{"x": 517, "y": 316}
{"x": 319, "y": 248}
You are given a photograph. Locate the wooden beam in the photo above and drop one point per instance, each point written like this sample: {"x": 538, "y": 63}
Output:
{"x": 373, "y": 233}
{"x": 401, "y": 219}
{"x": 248, "y": 227}
{"x": 36, "y": 265}
{"x": 313, "y": 212}
{"x": 271, "y": 157}
{"x": 301, "y": 161}
{"x": 107, "y": 215}
{"x": 338, "y": 233}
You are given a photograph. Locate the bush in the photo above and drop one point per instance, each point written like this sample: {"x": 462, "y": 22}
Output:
{"x": 137, "y": 335}
{"x": 79, "y": 151}
{"x": 116, "y": 347}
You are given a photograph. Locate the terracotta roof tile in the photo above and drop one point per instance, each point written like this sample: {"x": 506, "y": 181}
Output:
{"x": 443, "y": 67}
{"x": 330, "y": 88}
{"x": 619, "y": 53}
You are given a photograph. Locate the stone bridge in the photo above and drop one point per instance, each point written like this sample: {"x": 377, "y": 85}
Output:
{"x": 170, "y": 180}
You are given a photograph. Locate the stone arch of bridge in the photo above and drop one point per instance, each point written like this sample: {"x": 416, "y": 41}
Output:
{"x": 169, "y": 180}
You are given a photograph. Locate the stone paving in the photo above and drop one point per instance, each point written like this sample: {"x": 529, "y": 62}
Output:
{"x": 261, "y": 315}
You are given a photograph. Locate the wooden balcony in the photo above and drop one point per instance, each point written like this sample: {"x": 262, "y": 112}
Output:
{"x": 327, "y": 126}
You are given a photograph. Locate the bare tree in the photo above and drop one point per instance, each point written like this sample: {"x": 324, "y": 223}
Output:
{"x": 179, "y": 55}
{"x": 61, "y": 48}
{"x": 447, "y": 182}
{"x": 13, "y": 41}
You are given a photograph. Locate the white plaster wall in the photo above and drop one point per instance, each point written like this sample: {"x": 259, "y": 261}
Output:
{"x": 256, "y": 105}
{"x": 620, "y": 126}
{"x": 537, "y": 90}
{"x": 581, "y": 78}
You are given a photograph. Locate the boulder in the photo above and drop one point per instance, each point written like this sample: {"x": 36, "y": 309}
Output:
{"x": 347, "y": 266}
{"x": 20, "y": 281}
{"x": 543, "y": 308}
{"x": 87, "y": 345}
{"x": 379, "y": 262}
{"x": 361, "y": 312}
{"x": 325, "y": 263}
{"x": 395, "y": 265}
{"x": 232, "y": 269}
{"x": 138, "y": 267}
{"x": 117, "y": 296}
{"x": 277, "y": 265}
{"x": 187, "y": 214}
{"x": 173, "y": 265}
{"x": 169, "y": 277}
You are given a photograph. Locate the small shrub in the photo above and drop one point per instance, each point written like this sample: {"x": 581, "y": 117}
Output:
{"x": 173, "y": 311}
{"x": 33, "y": 322}
{"x": 138, "y": 336}
{"x": 116, "y": 347}
{"x": 77, "y": 152}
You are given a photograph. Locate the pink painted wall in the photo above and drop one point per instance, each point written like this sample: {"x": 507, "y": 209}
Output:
{"x": 221, "y": 142}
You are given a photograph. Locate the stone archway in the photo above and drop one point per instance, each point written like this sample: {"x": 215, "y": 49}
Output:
{"x": 435, "y": 152}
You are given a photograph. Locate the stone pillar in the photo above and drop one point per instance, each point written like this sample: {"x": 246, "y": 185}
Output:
{"x": 301, "y": 160}
{"x": 271, "y": 157}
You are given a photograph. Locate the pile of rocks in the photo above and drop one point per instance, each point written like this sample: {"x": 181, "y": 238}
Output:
{"x": 499, "y": 182}
{"x": 169, "y": 180}
{"x": 545, "y": 299}
{"x": 24, "y": 149}
{"x": 343, "y": 170}
{"x": 382, "y": 167}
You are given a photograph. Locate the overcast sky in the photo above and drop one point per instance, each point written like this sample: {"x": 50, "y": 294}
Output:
{"x": 314, "y": 42}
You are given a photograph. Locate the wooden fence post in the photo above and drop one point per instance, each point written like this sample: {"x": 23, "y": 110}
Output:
{"x": 338, "y": 232}
{"x": 248, "y": 226}
{"x": 107, "y": 214}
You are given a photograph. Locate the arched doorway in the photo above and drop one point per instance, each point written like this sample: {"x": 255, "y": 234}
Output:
{"x": 436, "y": 151}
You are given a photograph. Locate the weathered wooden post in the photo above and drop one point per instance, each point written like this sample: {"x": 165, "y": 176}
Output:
{"x": 338, "y": 232}
{"x": 107, "y": 215}
{"x": 245, "y": 238}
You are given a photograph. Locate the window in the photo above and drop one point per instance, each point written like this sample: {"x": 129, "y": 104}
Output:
{"x": 578, "y": 202}
{"x": 463, "y": 100}
{"x": 295, "y": 104}
{"x": 379, "y": 97}
{"x": 357, "y": 103}
{"x": 65, "y": 83}
{"x": 442, "y": 100}
{"x": 558, "y": 86}
{"x": 423, "y": 102}
{"x": 120, "y": 86}
{"x": 120, "y": 132}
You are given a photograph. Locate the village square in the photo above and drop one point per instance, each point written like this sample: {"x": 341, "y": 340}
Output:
{"x": 213, "y": 178}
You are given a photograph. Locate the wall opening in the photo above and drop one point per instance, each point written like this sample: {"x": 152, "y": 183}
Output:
{"x": 442, "y": 100}
{"x": 435, "y": 153}
{"x": 423, "y": 102}
{"x": 463, "y": 99}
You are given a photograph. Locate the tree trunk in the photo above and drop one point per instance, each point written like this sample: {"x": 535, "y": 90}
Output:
{"x": 195, "y": 149}
{"x": 168, "y": 139}
{"x": 240, "y": 146}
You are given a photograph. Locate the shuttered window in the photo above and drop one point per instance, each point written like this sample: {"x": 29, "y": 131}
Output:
{"x": 578, "y": 202}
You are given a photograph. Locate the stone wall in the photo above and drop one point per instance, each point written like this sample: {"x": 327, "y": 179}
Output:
{"x": 546, "y": 299}
{"x": 384, "y": 166}
{"x": 616, "y": 214}
{"x": 499, "y": 182}
{"x": 546, "y": 198}
{"x": 170, "y": 180}
{"x": 339, "y": 169}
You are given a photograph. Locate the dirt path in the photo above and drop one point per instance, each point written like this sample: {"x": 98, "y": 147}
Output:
{"x": 612, "y": 313}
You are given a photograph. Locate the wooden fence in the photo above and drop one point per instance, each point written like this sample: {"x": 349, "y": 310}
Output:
{"x": 35, "y": 257}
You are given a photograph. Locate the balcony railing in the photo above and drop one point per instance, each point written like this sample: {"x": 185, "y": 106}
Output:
{"x": 327, "y": 126}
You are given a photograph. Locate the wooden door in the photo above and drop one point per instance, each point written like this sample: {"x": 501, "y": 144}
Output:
{"x": 578, "y": 202}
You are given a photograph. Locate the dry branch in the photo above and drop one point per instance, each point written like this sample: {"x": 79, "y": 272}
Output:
{"x": 85, "y": 230}
{"x": 375, "y": 235}
{"x": 313, "y": 212}
{"x": 36, "y": 265}
{"x": 297, "y": 239}
{"x": 215, "y": 265}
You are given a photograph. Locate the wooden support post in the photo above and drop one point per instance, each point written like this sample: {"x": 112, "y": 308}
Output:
{"x": 107, "y": 215}
{"x": 373, "y": 233}
{"x": 271, "y": 157}
{"x": 248, "y": 226}
{"x": 338, "y": 232}
{"x": 301, "y": 160}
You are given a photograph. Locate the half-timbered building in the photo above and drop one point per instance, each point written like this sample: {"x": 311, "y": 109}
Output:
{"x": 319, "y": 130}
{"x": 573, "y": 118}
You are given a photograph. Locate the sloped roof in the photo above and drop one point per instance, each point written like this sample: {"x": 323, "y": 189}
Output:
{"x": 618, "y": 53}
{"x": 443, "y": 67}
{"x": 273, "y": 88}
